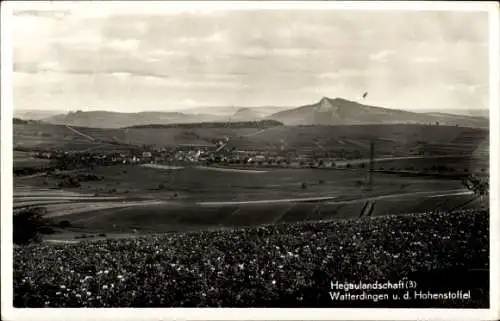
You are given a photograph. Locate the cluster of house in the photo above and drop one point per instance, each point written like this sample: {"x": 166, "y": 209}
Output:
{"x": 220, "y": 153}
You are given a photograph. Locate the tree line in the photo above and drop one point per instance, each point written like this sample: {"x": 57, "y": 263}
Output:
{"x": 262, "y": 124}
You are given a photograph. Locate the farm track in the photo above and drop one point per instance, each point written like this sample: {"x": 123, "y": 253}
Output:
{"x": 159, "y": 166}
{"x": 80, "y": 133}
{"x": 400, "y": 195}
{"x": 286, "y": 200}
{"x": 233, "y": 170}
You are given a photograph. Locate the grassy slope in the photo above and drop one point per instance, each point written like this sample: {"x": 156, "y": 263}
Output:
{"x": 273, "y": 266}
{"x": 389, "y": 138}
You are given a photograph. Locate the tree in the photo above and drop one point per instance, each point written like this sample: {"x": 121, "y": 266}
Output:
{"x": 304, "y": 185}
{"x": 29, "y": 224}
{"x": 480, "y": 188}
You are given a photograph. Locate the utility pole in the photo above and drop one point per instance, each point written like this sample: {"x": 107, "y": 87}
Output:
{"x": 372, "y": 157}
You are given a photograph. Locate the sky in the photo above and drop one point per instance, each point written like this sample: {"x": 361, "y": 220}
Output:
{"x": 129, "y": 60}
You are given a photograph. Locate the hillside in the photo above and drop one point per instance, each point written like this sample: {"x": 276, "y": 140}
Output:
{"x": 231, "y": 111}
{"x": 261, "y": 124}
{"x": 484, "y": 113}
{"x": 34, "y": 114}
{"x": 339, "y": 141}
{"x": 340, "y": 111}
{"x": 246, "y": 114}
{"x": 105, "y": 119}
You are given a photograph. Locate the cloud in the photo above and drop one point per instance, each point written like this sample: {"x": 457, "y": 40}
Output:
{"x": 129, "y": 45}
{"x": 121, "y": 75}
{"x": 285, "y": 57}
{"x": 382, "y": 55}
{"x": 49, "y": 66}
{"x": 426, "y": 60}
{"x": 463, "y": 88}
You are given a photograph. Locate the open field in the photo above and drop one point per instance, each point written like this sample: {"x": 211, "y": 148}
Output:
{"x": 389, "y": 139}
{"x": 79, "y": 138}
{"x": 450, "y": 163}
{"x": 284, "y": 265}
{"x": 148, "y": 199}
{"x": 170, "y": 216}
{"x": 25, "y": 159}
{"x": 200, "y": 184}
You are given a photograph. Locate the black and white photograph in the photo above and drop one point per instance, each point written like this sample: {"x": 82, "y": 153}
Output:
{"x": 253, "y": 155}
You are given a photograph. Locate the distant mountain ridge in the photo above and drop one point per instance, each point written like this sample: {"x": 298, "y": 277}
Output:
{"x": 327, "y": 111}
{"x": 107, "y": 119}
{"x": 339, "y": 111}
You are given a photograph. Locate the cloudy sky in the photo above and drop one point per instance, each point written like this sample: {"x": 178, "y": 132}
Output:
{"x": 124, "y": 61}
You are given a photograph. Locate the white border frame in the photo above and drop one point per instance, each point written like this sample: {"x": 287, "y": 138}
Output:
{"x": 9, "y": 313}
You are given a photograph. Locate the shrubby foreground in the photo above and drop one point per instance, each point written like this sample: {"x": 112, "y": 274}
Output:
{"x": 272, "y": 266}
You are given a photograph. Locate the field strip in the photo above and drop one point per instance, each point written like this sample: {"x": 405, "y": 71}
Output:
{"x": 58, "y": 210}
{"x": 71, "y": 198}
{"x": 61, "y": 241}
{"x": 30, "y": 176}
{"x": 456, "y": 194}
{"x": 267, "y": 201}
{"x": 283, "y": 213}
{"x": 357, "y": 143}
{"x": 233, "y": 170}
{"x": 422, "y": 194}
{"x": 259, "y": 132}
{"x": 49, "y": 193}
{"x": 18, "y": 205}
{"x": 159, "y": 166}
{"x": 388, "y": 159}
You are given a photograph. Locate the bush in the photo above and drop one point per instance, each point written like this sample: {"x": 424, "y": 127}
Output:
{"x": 69, "y": 182}
{"x": 29, "y": 224}
{"x": 304, "y": 185}
{"x": 102, "y": 234}
{"x": 321, "y": 181}
{"x": 162, "y": 186}
{"x": 64, "y": 224}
